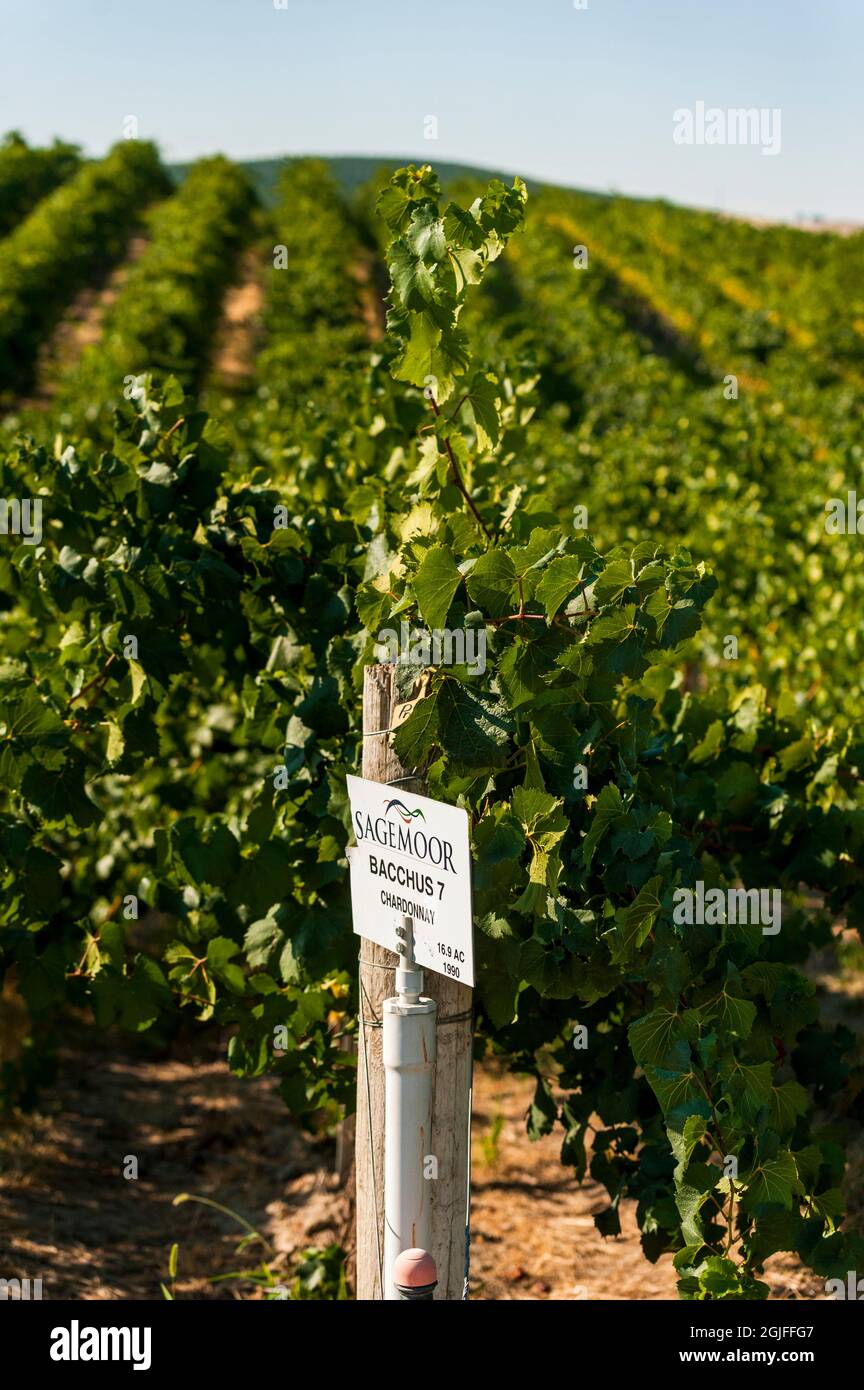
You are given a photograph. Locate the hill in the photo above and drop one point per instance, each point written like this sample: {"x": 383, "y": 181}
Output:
{"x": 351, "y": 171}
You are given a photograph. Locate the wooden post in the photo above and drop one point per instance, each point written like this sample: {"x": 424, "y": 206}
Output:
{"x": 451, "y": 1115}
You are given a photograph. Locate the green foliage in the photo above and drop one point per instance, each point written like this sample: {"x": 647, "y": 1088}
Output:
{"x": 320, "y": 1276}
{"x": 73, "y": 233}
{"x": 164, "y": 317}
{"x": 490, "y": 1142}
{"x": 311, "y": 317}
{"x": 636, "y": 355}
{"x": 312, "y": 329}
{"x": 318, "y": 1273}
{"x": 153, "y": 772}
{"x": 28, "y": 174}
{"x": 435, "y": 255}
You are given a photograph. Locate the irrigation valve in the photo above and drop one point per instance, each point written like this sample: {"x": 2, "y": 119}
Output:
{"x": 415, "y": 1275}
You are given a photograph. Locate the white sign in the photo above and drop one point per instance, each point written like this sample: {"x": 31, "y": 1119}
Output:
{"x": 412, "y": 859}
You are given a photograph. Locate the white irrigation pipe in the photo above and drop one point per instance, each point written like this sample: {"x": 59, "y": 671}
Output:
{"x": 409, "y": 1064}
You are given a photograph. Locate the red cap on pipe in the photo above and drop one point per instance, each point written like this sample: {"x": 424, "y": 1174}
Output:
{"x": 414, "y": 1269}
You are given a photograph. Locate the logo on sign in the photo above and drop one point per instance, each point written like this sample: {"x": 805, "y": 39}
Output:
{"x": 402, "y": 811}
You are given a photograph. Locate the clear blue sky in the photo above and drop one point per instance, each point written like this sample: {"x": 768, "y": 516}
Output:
{"x": 584, "y": 97}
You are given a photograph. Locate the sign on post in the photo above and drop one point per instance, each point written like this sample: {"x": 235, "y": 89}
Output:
{"x": 412, "y": 859}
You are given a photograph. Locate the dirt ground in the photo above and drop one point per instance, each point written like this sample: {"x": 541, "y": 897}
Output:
{"x": 70, "y": 1216}
{"x": 370, "y": 294}
{"x": 233, "y": 361}
{"x": 80, "y": 326}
